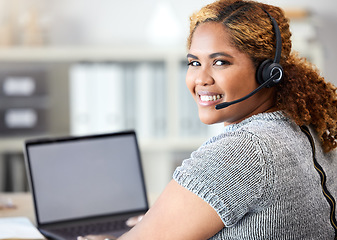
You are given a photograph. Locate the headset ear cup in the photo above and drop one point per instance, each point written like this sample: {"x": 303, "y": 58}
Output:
{"x": 260, "y": 73}
{"x": 270, "y": 70}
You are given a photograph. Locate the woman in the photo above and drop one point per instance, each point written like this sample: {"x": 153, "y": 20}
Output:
{"x": 256, "y": 179}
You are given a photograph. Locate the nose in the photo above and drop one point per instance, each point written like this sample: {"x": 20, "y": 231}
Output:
{"x": 204, "y": 78}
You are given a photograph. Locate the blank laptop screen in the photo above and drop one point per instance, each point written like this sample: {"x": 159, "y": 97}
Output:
{"x": 86, "y": 177}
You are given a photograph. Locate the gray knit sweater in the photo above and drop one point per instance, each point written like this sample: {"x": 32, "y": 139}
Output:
{"x": 259, "y": 177}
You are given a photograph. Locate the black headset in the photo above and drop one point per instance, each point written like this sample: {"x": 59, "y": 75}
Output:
{"x": 269, "y": 72}
{"x": 269, "y": 68}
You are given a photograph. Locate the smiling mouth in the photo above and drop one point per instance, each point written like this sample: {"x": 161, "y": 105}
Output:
{"x": 210, "y": 98}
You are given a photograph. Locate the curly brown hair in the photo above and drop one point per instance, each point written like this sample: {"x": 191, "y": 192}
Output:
{"x": 302, "y": 94}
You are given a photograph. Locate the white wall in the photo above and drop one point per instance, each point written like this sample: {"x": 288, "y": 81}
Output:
{"x": 135, "y": 22}
{"x": 325, "y": 13}
{"x": 155, "y": 22}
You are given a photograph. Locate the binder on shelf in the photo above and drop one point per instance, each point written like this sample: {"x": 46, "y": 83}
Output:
{"x": 109, "y": 98}
{"x": 150, "y": 99}
{"x": 129, "y": 93}
{"x": 144, "y": 100}
{"x": 96, "y": 98}
{"x": 79, "y": 89}
{"x": 15, "y": 172}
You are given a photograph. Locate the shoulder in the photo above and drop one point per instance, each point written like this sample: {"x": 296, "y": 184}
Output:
{"x": 233, "y": 172}
{"x": 253, "y": 139}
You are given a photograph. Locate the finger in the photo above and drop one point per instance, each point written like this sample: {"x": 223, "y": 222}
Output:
{"x": 134, "y": 220}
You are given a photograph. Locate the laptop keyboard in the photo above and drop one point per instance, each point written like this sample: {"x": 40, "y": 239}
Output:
{"x": 92, "y": 228}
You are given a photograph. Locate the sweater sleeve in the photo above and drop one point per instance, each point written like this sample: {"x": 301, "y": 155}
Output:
{"x": 233, "y": 174}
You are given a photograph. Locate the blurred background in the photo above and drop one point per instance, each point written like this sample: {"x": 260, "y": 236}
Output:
{"x": 74, "y": 67}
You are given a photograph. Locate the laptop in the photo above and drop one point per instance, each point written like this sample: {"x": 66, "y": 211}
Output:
{"x": 85, "y": 185}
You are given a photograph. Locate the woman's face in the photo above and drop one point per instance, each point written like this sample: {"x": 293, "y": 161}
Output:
{"x": 218, "y": 72}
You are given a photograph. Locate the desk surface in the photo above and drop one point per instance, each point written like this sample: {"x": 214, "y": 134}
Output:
{"x": 22, "y": 205}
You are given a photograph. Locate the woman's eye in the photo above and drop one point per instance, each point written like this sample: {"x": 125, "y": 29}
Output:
{"x": 221, "y": 63}
{"x": 193, "y": 64}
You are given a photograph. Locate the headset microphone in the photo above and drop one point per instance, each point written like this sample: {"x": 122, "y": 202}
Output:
{"x": 269, "y": 73}
{"x": 263, "y": 85}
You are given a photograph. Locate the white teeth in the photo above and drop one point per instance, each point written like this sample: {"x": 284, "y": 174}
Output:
{"x": 210, "y": 98}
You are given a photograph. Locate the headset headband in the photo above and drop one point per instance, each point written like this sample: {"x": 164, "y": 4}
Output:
{"x": 277, "y": 32}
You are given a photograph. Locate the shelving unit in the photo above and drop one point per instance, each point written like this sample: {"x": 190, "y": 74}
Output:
{"x": 58, "y": 60}
{"x": 159, "y": 154}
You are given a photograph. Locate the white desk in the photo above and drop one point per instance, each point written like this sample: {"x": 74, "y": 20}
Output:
{"x": 23, "y": 205}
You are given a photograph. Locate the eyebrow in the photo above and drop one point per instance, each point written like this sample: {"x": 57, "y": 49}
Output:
{"x": 213, "y": 55}
{"x": 221, "y": 54}
{"x": 192, "y": 56}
